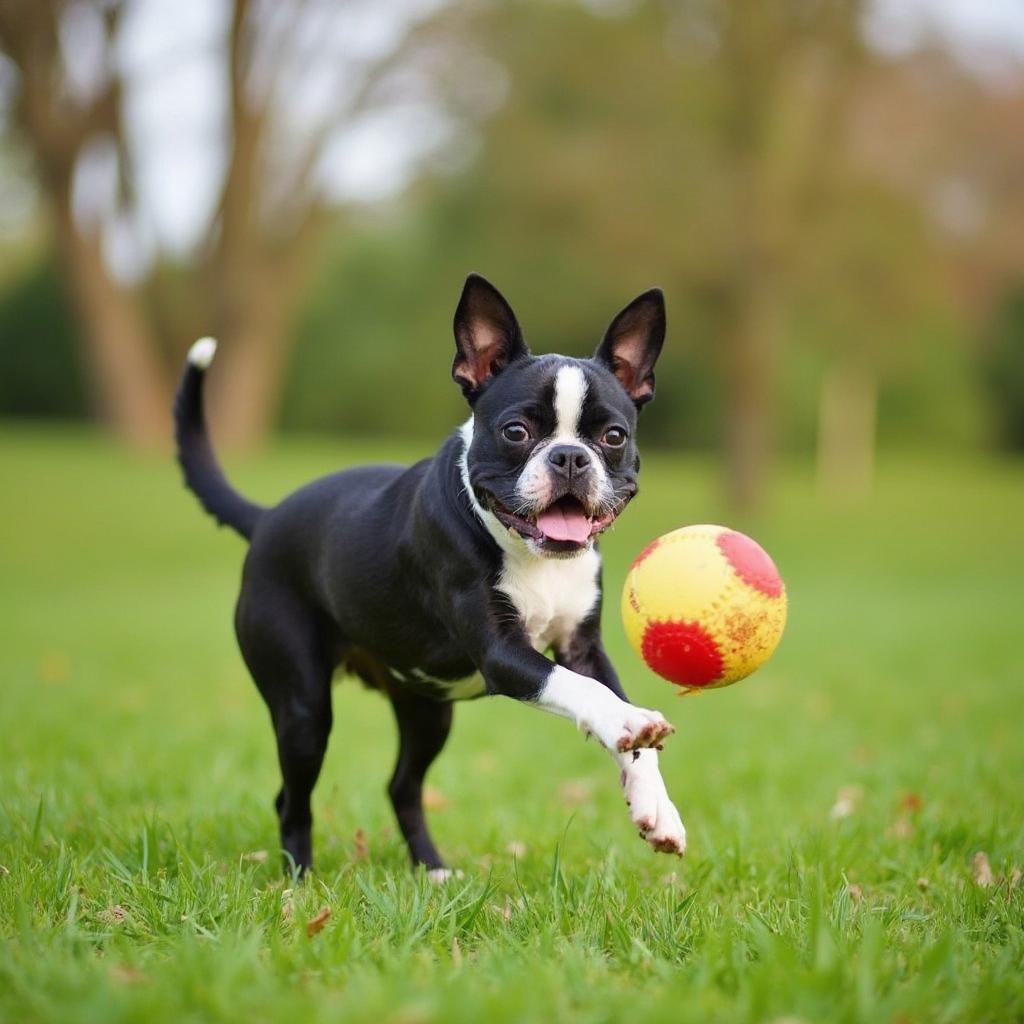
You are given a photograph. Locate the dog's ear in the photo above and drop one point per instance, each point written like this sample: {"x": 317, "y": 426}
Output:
{"x": 632, "y": 344}
{"x": 487, "y": 336}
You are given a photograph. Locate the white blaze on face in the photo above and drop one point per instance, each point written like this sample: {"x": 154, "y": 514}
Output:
{"x": 535, "y": 483}
{"x": 570, "y": 391}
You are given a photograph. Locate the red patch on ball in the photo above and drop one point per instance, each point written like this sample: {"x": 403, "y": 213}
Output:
{"x": 682, "y": 652}
{"x": 751, "y": 562}
{"x": 646, "y": 551}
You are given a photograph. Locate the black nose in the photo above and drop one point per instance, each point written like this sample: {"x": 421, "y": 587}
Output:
{"x": 569, "y": 460}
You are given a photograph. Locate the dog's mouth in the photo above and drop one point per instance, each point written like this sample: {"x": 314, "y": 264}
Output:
{"x": 566, "y": 524}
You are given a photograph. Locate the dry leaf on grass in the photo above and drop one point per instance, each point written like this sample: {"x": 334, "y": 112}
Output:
{"x": 127, "y": 975}
{"x": 361, "y": 845}
{"x": 855, "y": 892}
{"x": 54, "y": 667}
{"x": 900, "y": 829}
{"x": 315, "y": 925}
{"x": 256, "y": 856}
{"x": 848, "y": 799}
{"x": 923, "y": 884}
{"x": 434, "y": 799}
{"x": 982, "y": 870}
{"x": 287, "y": 905}
{"x": 911, "y": 803}
{"x": 456, "y": 951}
{"x": 576, "y": 792}
{"x": 1014, "y": 880}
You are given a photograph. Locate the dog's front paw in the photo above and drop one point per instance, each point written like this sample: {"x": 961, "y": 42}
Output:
{"x": 650, "y": 808}
{"x": 641, "y": 728}
{"x": 438, "y": 876}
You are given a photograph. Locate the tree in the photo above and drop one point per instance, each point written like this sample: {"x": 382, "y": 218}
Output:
{"x": 688, "y": 143}
{"x": 242, "y": 278}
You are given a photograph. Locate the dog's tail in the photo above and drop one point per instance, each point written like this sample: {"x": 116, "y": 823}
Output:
{"x": 203, "y": 475}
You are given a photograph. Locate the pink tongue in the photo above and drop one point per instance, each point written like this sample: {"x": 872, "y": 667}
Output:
{"x": 558, "y": 524}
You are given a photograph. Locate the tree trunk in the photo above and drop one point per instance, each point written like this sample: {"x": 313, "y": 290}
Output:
{"x": 254, "y": 296}
{"x": 246, "y": 385}
{"x": 254, "y": 328}
{"x": 846, "y": 431}
{"x": 130, "y": 389}
{"x": 749, "y": 377}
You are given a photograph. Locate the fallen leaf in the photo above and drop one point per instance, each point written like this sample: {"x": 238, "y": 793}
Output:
{"x": 434, "y": 799}
{"x": 576, "y": 792}
{"x": 900, "y": 829}
{"x": 113, "y": 915}
{"x": 127, "y": 975}
{"x": 54, "y": 667}
{"x": 855, "y": 892}
{"x": 456, "y": 951}
{"x": 923, "y": 884}
{"x": 316, "y": 924}
{"x": 256, "y": 856}
{"x": 517, "y": 848}
{"x": 361, "y": 846}
{"x": 848, "y": 799}
{"x": 982, "y": 870}
{"x": 911, "y": 803}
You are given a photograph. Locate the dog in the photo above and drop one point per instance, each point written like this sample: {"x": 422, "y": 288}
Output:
{"x": 450, "y": 579}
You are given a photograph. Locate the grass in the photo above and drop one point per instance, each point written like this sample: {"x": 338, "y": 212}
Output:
{"x": 136, "y": 772}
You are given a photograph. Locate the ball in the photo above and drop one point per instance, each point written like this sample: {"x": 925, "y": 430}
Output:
{"x": 704, "y": 606}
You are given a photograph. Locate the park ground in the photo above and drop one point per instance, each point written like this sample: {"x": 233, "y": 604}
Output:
{"x": 855, "y": 811}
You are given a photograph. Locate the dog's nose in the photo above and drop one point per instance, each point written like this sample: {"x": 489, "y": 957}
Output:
{"x": 569, "y": 460}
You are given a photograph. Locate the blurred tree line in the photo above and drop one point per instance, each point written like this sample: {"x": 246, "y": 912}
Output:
{"x": 839, "y": 232}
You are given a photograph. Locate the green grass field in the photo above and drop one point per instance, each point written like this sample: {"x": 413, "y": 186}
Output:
{"x": 139, "y": 878}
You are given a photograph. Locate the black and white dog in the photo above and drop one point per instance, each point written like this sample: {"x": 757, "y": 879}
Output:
{"x": 450, "y": 579}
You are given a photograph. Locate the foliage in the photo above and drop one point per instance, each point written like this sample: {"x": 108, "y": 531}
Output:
{"x": 1004, "y": 369}
{"x": 40, "y": 371}
{"x": 137, "y": 769}
{"x": 812, "y": 207}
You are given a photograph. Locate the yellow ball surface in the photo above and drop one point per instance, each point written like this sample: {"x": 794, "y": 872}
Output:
{"x": 704, "y": 606}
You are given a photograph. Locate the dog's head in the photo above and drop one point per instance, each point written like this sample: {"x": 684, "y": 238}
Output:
{"x": 551, "y": 457}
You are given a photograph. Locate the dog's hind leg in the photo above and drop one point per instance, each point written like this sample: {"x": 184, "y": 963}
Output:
{"x": 289, "y": 659}
{"x": 423, "y": 727}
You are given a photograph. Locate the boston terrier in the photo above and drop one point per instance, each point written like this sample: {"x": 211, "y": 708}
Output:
{"x": 475, "y": 572}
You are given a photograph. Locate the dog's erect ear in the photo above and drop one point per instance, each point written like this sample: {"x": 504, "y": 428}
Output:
{"x": 632, "y": 344}
{"x": 487, "y": 336}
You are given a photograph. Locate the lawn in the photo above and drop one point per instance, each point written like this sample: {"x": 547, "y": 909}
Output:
{"x": 840, "y": 804}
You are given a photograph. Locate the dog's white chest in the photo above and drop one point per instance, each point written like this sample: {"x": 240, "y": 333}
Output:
{"x": 552, "y": 595}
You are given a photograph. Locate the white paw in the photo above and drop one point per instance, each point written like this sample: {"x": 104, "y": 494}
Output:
{"x": 650, "y": 808}
{"x": 633, "y": 728}
{"x": 438, "y": 876}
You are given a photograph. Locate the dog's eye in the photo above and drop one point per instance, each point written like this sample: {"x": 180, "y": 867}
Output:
{"x": 517, "y": 433}
{"x": 614, "y": 437}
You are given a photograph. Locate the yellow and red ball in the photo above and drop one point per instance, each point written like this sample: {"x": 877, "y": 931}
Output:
{"x": 704, "y": 606}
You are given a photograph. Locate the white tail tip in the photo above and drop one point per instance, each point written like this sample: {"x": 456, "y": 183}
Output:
{"x": 201, "y": 354}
